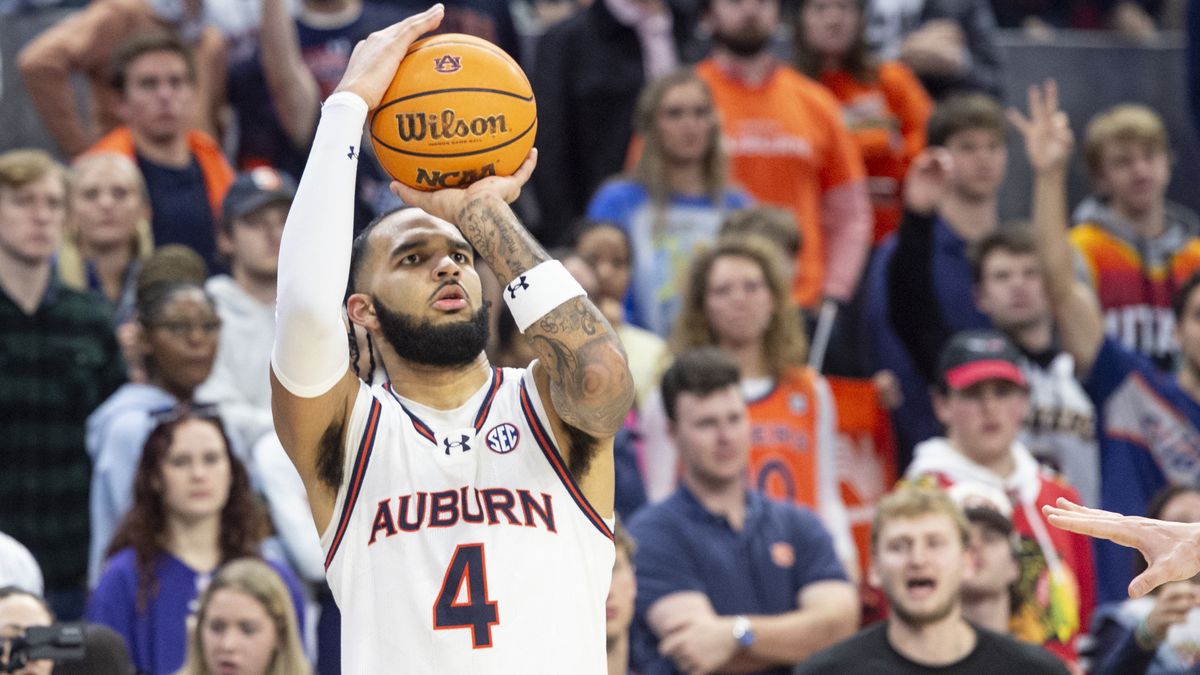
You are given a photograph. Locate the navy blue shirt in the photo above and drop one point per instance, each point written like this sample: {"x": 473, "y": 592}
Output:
{"x": 182, "y": 213}
{"x": 760, "y": 569}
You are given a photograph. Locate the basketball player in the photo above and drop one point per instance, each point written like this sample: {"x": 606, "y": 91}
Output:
{"x": 465, "y": 511}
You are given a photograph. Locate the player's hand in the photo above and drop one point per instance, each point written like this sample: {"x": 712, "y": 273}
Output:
{"x": 448, "y": 203}
{"x": 701, "y": 645}
{"x": 1047, "y": 131}
{"x": 928, "y": 180}
{"x": 374, "y": 61}
{"x": 1171, "y": 549}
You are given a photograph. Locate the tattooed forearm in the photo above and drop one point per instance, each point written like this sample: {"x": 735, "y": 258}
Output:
{"x": 591, "y": 386}
{"x": 492, "y": 228}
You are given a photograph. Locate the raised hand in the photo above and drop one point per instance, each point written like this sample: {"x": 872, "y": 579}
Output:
{"x": 1047, "y": 131}
{"x": 927, "y": 180}
{"x": 374, "y": 60}
{"x": 1171, "y": 549}
{"x": 448, "y": 203}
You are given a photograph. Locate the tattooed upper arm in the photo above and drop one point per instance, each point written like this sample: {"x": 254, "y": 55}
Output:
{"x": 590, "y": 384}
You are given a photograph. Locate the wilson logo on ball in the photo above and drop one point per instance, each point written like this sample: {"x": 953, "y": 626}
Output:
{"x": 458, "y": 108}
{"x": 448, "y": 179}
{"x": 447, "y": 126}
{"x": 447, "y": 63}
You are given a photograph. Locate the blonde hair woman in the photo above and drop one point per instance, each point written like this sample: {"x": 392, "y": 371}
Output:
{"x": 246, "y": 624}
{"x": 108, "y": 232}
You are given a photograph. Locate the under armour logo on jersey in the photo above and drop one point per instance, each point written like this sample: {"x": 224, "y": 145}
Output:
{"x": 519, "y": 285}
{"x": 461, "y": 445}
{"x": 352, "y": 154}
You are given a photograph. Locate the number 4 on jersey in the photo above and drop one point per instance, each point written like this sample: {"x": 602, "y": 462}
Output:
{"x": 478, "y": 613}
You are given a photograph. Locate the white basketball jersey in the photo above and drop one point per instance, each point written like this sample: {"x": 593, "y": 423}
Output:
{"x": 460, "y": 543}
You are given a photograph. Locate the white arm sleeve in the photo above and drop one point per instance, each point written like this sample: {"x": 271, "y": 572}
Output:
{"x": 311, "y": 352}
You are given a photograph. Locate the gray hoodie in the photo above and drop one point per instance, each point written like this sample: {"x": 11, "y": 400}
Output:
{"x": 116, "y": 433}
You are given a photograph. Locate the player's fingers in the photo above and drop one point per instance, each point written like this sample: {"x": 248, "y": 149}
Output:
{"x": 1092, "y": 526}
{"x": 1156, "y": 576}
{"x": 416, "y": 24}
{"x": 1068, "y": 505}
{"x": 408, "y": 195}
{"x": 525, "y": 171}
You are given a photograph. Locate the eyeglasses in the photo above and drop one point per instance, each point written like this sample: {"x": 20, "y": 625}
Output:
{"x": 183, "y": 329}
{"x": 202, "y": 411}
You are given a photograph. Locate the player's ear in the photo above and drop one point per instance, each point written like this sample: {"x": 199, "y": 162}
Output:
{"x": 360, "y": 309}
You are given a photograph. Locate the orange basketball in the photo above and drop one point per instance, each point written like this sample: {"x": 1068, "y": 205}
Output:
{"x": 458, "y": 109}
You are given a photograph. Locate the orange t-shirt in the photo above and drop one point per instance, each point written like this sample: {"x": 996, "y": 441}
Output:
{"x": 789, "y": 147}
{"x": 887, "y": 118}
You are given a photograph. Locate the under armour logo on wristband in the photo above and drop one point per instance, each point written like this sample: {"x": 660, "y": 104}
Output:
{"x": 462, "y": 444}
{"x": 352, "y": 154}
{"x": 518, "y": 285}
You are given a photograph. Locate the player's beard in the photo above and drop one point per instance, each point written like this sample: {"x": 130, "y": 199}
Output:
{"x": 744, "y": 42}
{"x": 445, "y": 345}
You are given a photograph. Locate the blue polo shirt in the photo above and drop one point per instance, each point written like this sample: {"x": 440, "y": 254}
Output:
{"x": 760, "y": 569}
{"x": 1149, "y": 430}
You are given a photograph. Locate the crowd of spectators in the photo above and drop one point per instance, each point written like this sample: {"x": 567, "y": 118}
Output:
{"x": 762, "y": 197}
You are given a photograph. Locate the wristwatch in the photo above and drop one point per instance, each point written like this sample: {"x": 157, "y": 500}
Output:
{"x": 742, "y": 631}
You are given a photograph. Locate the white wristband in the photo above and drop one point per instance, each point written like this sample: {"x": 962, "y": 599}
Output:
{"x": 538, "y": 290}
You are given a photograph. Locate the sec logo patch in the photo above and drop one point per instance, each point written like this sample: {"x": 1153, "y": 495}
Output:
{"x": 502, "y": 438}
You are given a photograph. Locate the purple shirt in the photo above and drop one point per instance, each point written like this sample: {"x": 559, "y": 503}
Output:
{"x": 157, "y": 637}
